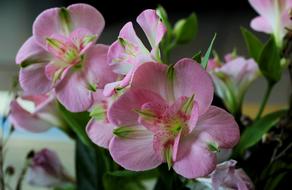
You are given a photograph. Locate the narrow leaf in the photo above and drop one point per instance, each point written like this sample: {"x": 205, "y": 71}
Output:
{"x": 253, "y": 134}
{"x": 208, "y": 53}
{"x": 185, "y": 30}
{"x": 253, "y": 44}
{"x": 269, "y": 62}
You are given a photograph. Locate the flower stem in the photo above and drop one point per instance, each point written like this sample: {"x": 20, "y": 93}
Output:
{"x": 265, "y": 100}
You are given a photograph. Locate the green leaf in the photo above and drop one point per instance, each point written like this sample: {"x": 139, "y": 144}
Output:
{"x": 208, "y": 53}
{"x": 269, "y": 62}
{"x": 77, "y": 122}
{"x": 253, "y": 44}
{"x": 66, "y": 187}
{"x": 91, "y": 164}
{"x": 254, "y": 133}
{"x": 160, "y": 11}
{"x": 127, "y": 180}
{"x": 185, "y": 30}
{"x": 198, "y": 57}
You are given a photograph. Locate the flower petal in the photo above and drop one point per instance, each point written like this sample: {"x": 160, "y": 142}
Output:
{"x": 24, "y": 120}
{"x": 261, "y": 24}
{"x": 152, "y": 26}
{"x": 193, "y": 158}
{"x": 127, "y": 51}
{"x": 50, "y": 22}
{"x": 100, "y": 132}
{"x": 86, "y": 16}
{"x": 97, "y": 71}
{"x": 221, "y": 127}
{"x": 33, "y": 80}
{"x": 153, "y": 77}
{"x": 122, "y": 112}
{"x": 73, "y": 92}
{"x": 191, "y": 79}
{"x": 31, "y": 52}
{"x": 135, "y": 153}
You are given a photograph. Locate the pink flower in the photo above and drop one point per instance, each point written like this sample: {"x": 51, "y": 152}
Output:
{"x": 128, "y": 52}
{"x": 99, "y": 129}
{"x": 35, "y": 113}
{"x": 46, "y": 170}
{"x": 166, "y": 116}
{"x": 274, "y": 17}
{"x": 226, "y": 176}
{"x": 232, "y": 79}
{"x": 62, "y": 54}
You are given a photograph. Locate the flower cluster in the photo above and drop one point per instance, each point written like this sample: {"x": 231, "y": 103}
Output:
{"x": 145, "y": 111}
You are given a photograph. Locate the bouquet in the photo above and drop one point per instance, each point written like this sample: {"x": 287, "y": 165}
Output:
{"x": 140, "y": 121}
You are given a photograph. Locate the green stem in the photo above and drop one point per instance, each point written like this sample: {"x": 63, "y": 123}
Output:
{"x": 265, "y": 100}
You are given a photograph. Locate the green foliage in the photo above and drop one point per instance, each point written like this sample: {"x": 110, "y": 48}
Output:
{"x": 254, "y": 133}
{"x": 77, "y": 122}
{"x": 269, "y": 61}
{"x": 198, "y": 57}
{"x": 186, "y": 29}
{"x": 208, "y": 53}
{"x": 127, "y": 180}
{"x": 253, "y": 44}
{"x": 91, "y": 165}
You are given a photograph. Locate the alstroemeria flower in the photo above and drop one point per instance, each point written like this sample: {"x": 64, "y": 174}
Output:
{"x": 128, "y": 52}
{"x": 46, "y": 170}
{"x": 99, "y": 129}
{"x": 35, "y": 113}
{"x": 226, "y": 176}
{"x": 166, "y": 116}
{"x": 274, "y": 17}
{"x": 62, "y": 54}
{"x": 232, "y": 79}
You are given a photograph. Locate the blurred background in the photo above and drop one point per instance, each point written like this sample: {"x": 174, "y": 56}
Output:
{"x": 221, "y": 17}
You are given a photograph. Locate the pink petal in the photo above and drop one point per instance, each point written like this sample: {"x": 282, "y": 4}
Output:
{"x": 123, "y": 57}
{"x": 81, "y": 16}
{"x": 265, "y": 8}
{"x": 135, "y": 153}
{"x": 193, "y": 158}
{"x": 24, "y": 120}
{"x": 122, "y": 112}
{"x": 220, "y": 126}
{"x": 191, "y": 79}
{"x": 261, "y": 24}
{"x": 96, "y": 70}
{"x": 86, "y": 16}
{"x": 152, "y": 26}
{"x": 153, "y": 77}
{"x": 73, "y": 93}
{"x": 100, "y": 132}
{"x": 30, "y": 51}
{"x": 33, "y": 80}
{"x": 110, "y": 88}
